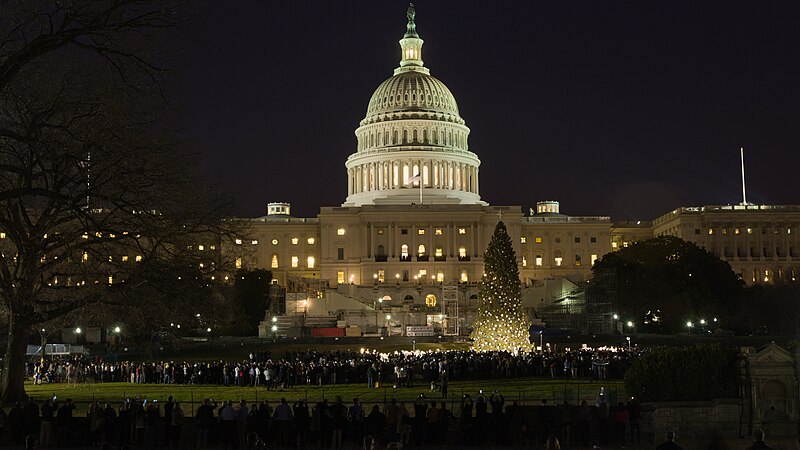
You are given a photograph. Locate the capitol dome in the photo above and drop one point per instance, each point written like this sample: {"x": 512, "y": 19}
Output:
{"x": 412, "y": 91}
{"x": 412, "y": 143}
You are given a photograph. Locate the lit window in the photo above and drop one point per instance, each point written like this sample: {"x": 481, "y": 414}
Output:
{"x": 439, "y": 253}
{"x": 538, "y": 260}
{"x": 340, "y": 277}
{"x": 200, "y": 247}
{"x": 110, "y": 279}
{"x": 440, "y": 277}
{"x": 212, "y": 247}
{"x": 710, "y": 231}
{"x": 125, "y": 258}
{"x": 462, "y": 252}
{"x": 3, "y": 235}
{"x": 202, "y": 265}
{"x": 749, "y": 231}
{"x": 295, "y": 241}
{"x": 625, "y": 244}
{"x": 85, "y": 236}
{"x": 735, "y": 231}
{"x": 404, "y": 251}
{"x": 254, "y": 242}
{"x": 381, "y": 275}
{"x": 594, "y": 258}
{"x": 238, "y": 242}
{"x": 423, "y": 273}
{"x": 274, "y": 262}
{"x": 420, "y": 232}
{"x": 538, "y": 240}
{"x": 340, "y": 232}
{"x": 464, "y": 277}
{"x": 613, "y": 245}
{"x": 310, "y": 260}
{"x": 295, "y": 261}
{"x": 138, "y": 258}
{"x": 310, "y": 241}
{"x": 788, "y": 231}
{"x": 558, "y": 261}
{"x": 462, "y": 231}
{"x": 110, "y": 258}
{"x": 577, "y": 260}
{"x": 421, "y": 250}
{"x": 524, "y": 262}
{"x": 438, "y": 232}
{"x": 523, "y": 240}
{"x": 85, "y": 256}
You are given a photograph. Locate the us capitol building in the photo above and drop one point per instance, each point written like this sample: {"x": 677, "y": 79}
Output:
{"x": 404, "y": 253}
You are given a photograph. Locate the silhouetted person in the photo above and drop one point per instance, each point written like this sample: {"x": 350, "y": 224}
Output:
{"x": 669, "y": 443}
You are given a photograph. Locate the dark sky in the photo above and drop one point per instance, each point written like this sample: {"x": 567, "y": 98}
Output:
{"x": 621, "y": 108}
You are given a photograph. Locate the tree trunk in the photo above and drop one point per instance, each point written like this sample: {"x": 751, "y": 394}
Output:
{"x": 12, "y": 383}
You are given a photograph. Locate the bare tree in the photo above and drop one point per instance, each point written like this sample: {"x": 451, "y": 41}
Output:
{"x": 99, "y": 205}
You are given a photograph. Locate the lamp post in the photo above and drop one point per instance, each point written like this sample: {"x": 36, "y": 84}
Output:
{"x": 629, "y": 342}
{"x": 43, "y": 335}
{"x": 397, "y": 278}
{"x": 116, "y": 331}
{"x": 541, "y": 340}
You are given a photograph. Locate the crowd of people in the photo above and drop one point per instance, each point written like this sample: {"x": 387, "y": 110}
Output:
{"x": 400, "y": 369}
{"x": 484, "y": 419}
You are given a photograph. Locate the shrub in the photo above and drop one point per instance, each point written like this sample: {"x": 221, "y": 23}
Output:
{"x": 699, "y": 372}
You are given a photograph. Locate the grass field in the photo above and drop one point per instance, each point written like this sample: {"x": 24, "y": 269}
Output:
{"x": 524, "y": 390}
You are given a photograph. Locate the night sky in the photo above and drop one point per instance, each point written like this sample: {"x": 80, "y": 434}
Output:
{"x": 620, "y": 108}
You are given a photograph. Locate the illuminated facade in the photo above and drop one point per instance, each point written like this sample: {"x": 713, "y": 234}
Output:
{"x": 406, "y": 246}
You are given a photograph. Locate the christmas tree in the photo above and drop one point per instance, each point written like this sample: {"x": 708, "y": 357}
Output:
{"x": 501, "y": 323}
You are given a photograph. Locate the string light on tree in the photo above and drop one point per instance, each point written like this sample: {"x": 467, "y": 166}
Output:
{"x": 501, "y": 323}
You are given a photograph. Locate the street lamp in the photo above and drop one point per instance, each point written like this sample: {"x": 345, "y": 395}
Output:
{"x": 616, "y": 317}
{"x": 541, "y": 340}
{"x": 629, "y": 342}
{"x": 274, "y": 319}
{"x": 689, "y": 324}
{"x": 78, "y": 330}
{"x": 397, "y": 277}
{"x": 702, "y": 321}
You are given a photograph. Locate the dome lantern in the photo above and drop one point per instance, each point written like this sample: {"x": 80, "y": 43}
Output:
{"x": 411, "y": 46}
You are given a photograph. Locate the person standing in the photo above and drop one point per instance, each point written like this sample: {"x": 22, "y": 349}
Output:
{"x": 176, "y": 425}
{"x": 205, "y": 422}
{"x": 356, "y": 417}
{"x": 669, "y": 442}
{"x": 46, "y": 426}
{"x": 282, "y": 421}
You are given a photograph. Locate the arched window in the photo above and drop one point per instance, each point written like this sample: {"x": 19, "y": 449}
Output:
{"x": 414, "y": 135}
{"x": 404, "y": 251}
{"x": 425, "y": 136}
{"x": 394, "y": 137}
{"x": 408, "y": 299}
{"x": 421, "y": 250}
{"x": 274, "y": 261}
{"x": 381, "y": 251}
{"x": 405, "y": 136}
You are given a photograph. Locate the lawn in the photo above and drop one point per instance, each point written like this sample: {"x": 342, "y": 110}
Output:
{"x": 526, "y": 391}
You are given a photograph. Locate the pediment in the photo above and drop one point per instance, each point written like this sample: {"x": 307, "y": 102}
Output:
{"x": 772, "y": 353}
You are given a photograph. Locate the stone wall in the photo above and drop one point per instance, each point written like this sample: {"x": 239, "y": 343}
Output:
{"x": 695, "y": 420}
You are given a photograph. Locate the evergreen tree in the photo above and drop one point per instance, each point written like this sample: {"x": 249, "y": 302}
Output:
{"x": 501, "y": 323}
